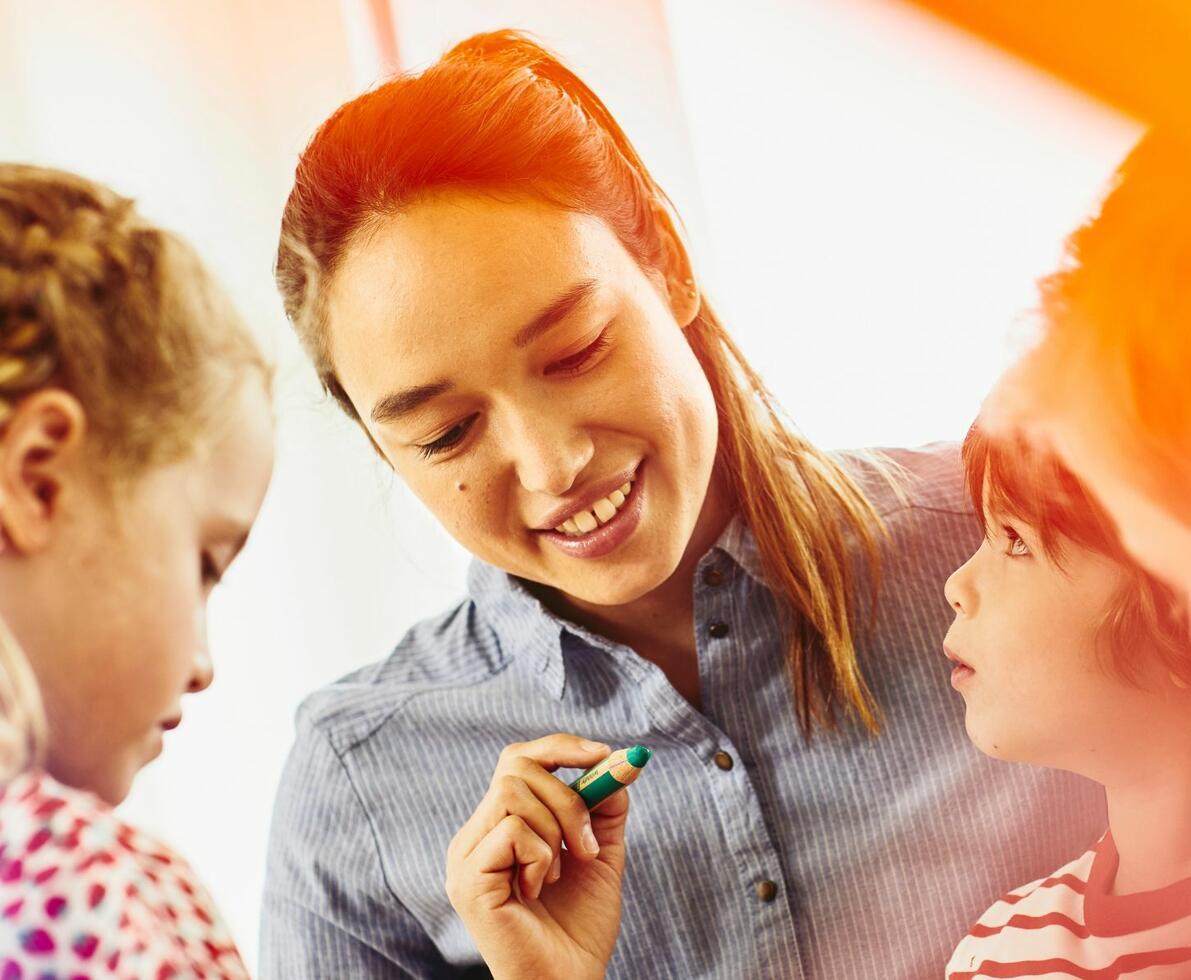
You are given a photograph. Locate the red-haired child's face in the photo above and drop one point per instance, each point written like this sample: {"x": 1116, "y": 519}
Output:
{"x": 1036, "y": 687}
{"x": 533, "y": 386}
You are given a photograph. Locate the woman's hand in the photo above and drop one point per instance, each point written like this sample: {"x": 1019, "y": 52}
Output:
{"x": 535, "y": 909}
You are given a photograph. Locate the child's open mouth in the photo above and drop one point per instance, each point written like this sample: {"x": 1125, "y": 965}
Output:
{"x": 962, "y": 670}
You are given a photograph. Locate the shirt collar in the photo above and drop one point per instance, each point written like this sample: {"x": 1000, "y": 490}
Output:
{"x": 530, "y": 636}
{"x": 1106, "y": 914}
{"x": 533, "y": 639}
{"x": 739, "y": 544}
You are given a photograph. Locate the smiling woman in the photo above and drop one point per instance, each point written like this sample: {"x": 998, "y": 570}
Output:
{"x": 559, "y": 392}
{"x": 442, "y": 235}
{"x": 489, "y": 280}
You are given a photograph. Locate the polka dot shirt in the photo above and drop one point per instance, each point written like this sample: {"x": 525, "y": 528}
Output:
{"x": 84, "y": 895}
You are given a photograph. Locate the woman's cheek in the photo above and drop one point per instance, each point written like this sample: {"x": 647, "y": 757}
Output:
{"x": 456, "y": 497}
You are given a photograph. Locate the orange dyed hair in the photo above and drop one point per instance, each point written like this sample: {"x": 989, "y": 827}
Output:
{"x": 1116, "y": 322}
{"x": 1012, "y": 478}
{"x": 498, "y": 112}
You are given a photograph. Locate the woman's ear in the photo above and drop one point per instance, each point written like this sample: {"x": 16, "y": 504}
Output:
{"x": 681, "y": 289}
{"x": 40, "y": 452}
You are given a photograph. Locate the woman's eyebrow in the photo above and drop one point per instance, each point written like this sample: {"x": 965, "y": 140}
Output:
{"x": 399, "y": 403}
{"x": 552, "y": 314}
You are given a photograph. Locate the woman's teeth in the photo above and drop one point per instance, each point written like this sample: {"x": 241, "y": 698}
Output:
{"x": 602, "y": 511}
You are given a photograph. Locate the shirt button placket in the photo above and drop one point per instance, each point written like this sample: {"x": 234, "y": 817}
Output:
{"x": 763, "y": 892}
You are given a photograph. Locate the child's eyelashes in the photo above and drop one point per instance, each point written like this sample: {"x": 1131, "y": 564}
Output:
{"x": 1016, "y": 547}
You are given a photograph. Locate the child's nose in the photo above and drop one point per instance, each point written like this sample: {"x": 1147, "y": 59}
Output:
{"x": 958, "y": 590}
{"x": 202, "y": 674}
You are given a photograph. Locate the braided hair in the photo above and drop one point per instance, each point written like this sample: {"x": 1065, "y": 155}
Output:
{"x": 97, "y": 302}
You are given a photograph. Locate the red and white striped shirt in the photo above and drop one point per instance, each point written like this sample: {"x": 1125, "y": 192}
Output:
{"x": 1069, "y": 925}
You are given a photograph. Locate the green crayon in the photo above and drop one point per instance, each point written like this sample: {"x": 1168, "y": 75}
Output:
{"x": 612, "y": 774}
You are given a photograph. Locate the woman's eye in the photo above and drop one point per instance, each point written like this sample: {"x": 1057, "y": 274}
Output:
{"x": 210, "y": 571}
{"x": 448, "y": 440}
{"x": 1017, "y": 547}
{"x": 576, "y": 362}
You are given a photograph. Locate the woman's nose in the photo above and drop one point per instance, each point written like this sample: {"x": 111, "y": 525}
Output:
{"x": 549, "y": 456}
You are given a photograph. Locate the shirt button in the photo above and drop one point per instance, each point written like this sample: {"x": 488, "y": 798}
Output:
{"x": 712, "y": 576}
{"x": 766, "y": 890}
{"x": 723, "y": 760}
{"x": 717, "y": 631}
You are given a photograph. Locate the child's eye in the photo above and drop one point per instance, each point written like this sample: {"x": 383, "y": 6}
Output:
{"x": 448, "y": 440}
{"x": 1017, "y": 547}
{"x": 210, "y": 571}
{"x": 575, "y": 363}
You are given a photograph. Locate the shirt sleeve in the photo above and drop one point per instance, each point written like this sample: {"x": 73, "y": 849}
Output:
{"x": 328, "y": 910}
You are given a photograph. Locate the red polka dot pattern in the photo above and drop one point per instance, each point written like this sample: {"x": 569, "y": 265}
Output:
{"x": 83, "y": 895}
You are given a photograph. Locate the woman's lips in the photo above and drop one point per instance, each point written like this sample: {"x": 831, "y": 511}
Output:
{"x": 607, "y": 537}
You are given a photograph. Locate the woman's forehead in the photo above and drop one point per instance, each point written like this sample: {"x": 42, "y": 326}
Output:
{"x": 459, "y": 265}
{"x": 460, "y": 247}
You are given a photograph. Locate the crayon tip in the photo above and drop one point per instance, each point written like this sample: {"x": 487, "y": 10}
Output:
{"x": 638, "y": 755}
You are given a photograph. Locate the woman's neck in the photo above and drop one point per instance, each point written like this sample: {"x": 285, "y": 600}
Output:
{"x": 1149, "y": 811}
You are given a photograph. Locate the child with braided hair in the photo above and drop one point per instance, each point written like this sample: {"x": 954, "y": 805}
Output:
{"x": 135, "y": 449}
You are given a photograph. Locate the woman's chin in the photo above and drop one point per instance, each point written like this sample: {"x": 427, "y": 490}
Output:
{"x": 614, "y": 586}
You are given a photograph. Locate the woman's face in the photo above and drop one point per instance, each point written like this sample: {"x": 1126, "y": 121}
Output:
{"x": 533, "y": 386}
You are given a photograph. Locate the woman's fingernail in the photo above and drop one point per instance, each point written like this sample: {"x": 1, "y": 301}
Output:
{"x": 590, "y": 844}
{"x": 556, "y": 868}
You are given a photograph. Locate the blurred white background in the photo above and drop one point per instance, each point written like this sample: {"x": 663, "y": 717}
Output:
{"x": 869, "y": 196}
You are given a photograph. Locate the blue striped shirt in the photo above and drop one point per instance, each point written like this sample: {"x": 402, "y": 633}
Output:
{"x": 883, "y": 849}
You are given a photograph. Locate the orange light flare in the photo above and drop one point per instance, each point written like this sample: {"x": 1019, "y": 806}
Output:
{"x": 1133, "y": 56}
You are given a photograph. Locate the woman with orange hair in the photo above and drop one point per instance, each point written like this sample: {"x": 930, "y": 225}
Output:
{"x": 489, "y": 281}
{"x": 1109, "y": 382}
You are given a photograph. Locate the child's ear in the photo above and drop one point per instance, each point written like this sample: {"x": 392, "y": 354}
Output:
{"x": 40, "y": 453}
